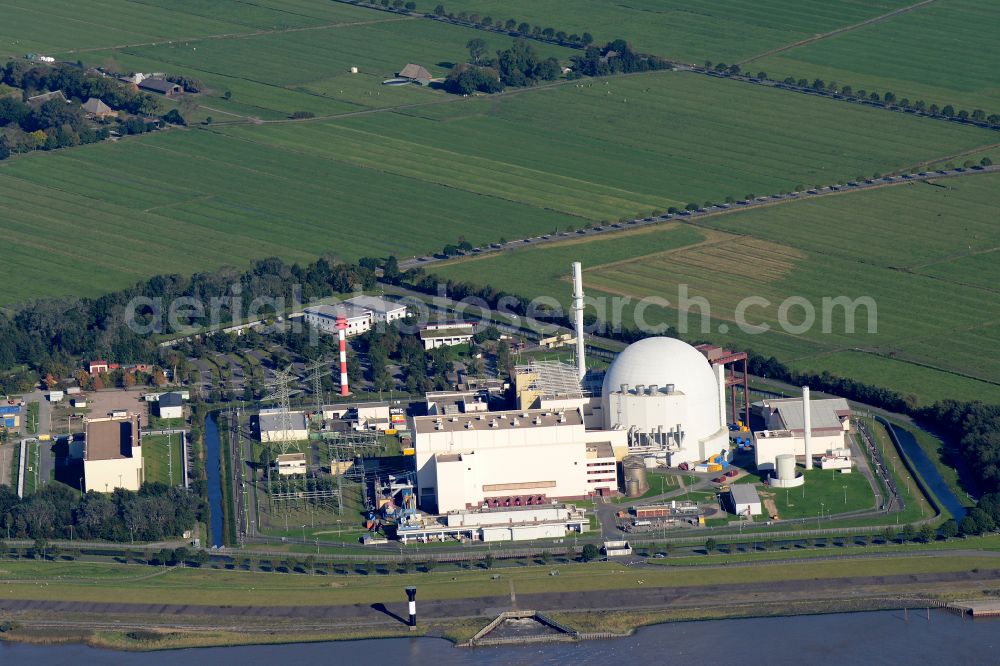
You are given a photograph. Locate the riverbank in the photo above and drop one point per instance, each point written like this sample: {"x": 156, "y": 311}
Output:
{"x": 620, "y": 623}
{"x": 200, "y": 608}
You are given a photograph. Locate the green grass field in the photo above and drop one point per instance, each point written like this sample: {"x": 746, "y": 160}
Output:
{"x": 943, "y": 53}
{"x": 162, "y": 462}
{"x": 723, "y": 30}
{"x": 888, "y": 244}
{"x": 482, "y": 169}
{"x": 824, "y": 490}
{"x": 99, "y": 582}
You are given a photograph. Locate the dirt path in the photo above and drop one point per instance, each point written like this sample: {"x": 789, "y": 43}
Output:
{"x": 838, "y": 31}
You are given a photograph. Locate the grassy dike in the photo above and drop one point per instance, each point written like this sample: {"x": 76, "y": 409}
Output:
{"x": 147, "y": 630}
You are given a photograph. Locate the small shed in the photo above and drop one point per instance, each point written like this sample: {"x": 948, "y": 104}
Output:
{"x": 744, "y": 500}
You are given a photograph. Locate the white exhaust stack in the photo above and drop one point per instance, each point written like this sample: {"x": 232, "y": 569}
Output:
{"x": 807, "y": 425}
{"x": 720, "y": 374}
{"x": 581, "y": 361}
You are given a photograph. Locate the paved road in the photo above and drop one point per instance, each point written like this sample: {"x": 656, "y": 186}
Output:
{"x": 720, "y": 209}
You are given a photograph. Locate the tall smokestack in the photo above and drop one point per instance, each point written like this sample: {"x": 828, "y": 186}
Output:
{"x": 581, "y": 360}
{"x": 807, "y": 425}
{"x": 342, "y": 332}
{"x": 411, "y": 596}
{"x": 720, "y": 375}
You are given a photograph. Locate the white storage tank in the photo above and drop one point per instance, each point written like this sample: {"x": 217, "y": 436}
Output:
{"x": 785, "y": 463}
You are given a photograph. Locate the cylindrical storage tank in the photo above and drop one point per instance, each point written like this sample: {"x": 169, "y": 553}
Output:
{"x": 785, "y": 464}
{"x": 634, "y": 471}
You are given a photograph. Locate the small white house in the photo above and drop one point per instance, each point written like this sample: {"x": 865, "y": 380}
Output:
{"x": 446, "y": 335}
{"x": 290, "y": 463}
{"x": 170, "y": 406}
{"x": 55, "y": 396}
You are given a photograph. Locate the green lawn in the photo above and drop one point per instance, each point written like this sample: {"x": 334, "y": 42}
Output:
{"x": 896, "y": 245}
{"x": 162, "y": 459}
{"x": 206, "y": 586}
{"x": 722, "y": 30}
{"x": 823, "y": 490}
{"x": 943, "y": 53}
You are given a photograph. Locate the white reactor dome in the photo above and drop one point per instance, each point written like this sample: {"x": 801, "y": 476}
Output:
{"x": 661, "y": 362}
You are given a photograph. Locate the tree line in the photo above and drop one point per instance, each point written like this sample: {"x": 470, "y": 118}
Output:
{"x": 887, "y": 99}
{"x": 51, "y": 336}
{"x": 514, "y": 27}
{"x": 56, "y": 511}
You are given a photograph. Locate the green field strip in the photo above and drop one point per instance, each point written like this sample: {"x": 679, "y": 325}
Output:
{"x": 944, "y": 53}
{"x": 691, "y": 32}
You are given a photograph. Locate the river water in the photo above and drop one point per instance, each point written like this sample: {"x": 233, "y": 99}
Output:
{"x": 864, "y": 639}
{"x": 214, "y": 478}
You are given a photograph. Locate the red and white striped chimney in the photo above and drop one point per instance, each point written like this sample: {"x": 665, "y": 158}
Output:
{"x": 342, "y": 329}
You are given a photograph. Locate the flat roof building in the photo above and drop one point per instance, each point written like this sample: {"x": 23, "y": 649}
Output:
{"x": 112, "y": 453}
{"x": 288, "y": 464}
{"x": 744, "y": 500}
{"x": 361, "y": 312}
{"x": 271, "y": 429}
{"x": 446, "y": 335}
{"x": 784, "y": 421}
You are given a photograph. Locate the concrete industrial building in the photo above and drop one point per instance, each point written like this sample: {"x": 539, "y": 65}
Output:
{"x": 361, "y": 312}
{"x": 506, "y": 524}
{"x": 288, "y": 464}
{"x": 665, "y": 396}
{"x": 112, "y": 453}
{"x": 508, "y": 459}
{"x": 785, "y": 429}
{"x": 362, "y": 415}
{"x": 446, "y": 335}
{"x": 744, "y": 500}
{"x": 271, "y": 429}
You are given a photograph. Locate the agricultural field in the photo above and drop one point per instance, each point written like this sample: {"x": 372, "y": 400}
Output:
{"x": 274, "y": 74}
{"x": 62, "y": 27}
{"x": 473, "y": 168}
{"x": 162, "y": 459}
{"x": 723, "y": 30}
{"x": 935, "y": 311}
{"x": 943, "y": 53}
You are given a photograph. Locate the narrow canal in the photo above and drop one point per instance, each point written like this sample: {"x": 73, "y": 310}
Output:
{"x": 214, "y": 477}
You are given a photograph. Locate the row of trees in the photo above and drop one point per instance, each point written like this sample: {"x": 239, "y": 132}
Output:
{"x": 887, "y": 98}
{"x": 515, "y": 27}
{"x": 52, "y": 335}
{"x": 56, "y": 511}
{"x": 973, "y": 429}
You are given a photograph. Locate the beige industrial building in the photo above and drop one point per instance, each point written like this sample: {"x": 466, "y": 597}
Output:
{"x": 785, "y": 429}
{"x": 288, "y": 464}
{"x": 505, "y": 524}
{"x": 112, "y": 454}
{"x": 509, "y": 459}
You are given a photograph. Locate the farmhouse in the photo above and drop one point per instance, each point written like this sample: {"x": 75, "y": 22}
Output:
{"x": 112, "y": 453}
{"x": 38, "y": 100}
{"x": 97, "y": 109}
{"x": 161, "y": 86}
{"x": 415, "y": 74}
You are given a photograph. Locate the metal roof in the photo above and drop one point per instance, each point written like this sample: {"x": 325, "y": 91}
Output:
{"x": 825, "y": 413}
{"x": 109, "y": 439}
{"x": 272, "y": 422}
{"x": 552, "y": 378}
{"x": 744, "y": 493}
{"x": 487, "y": 421}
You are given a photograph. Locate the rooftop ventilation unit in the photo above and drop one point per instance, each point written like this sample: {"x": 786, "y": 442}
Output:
{"x": 653, "y": 389}
{"x": 493, "y": 423}
{"x": 468, "y": 425}
{"x": 515, "y": 422}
